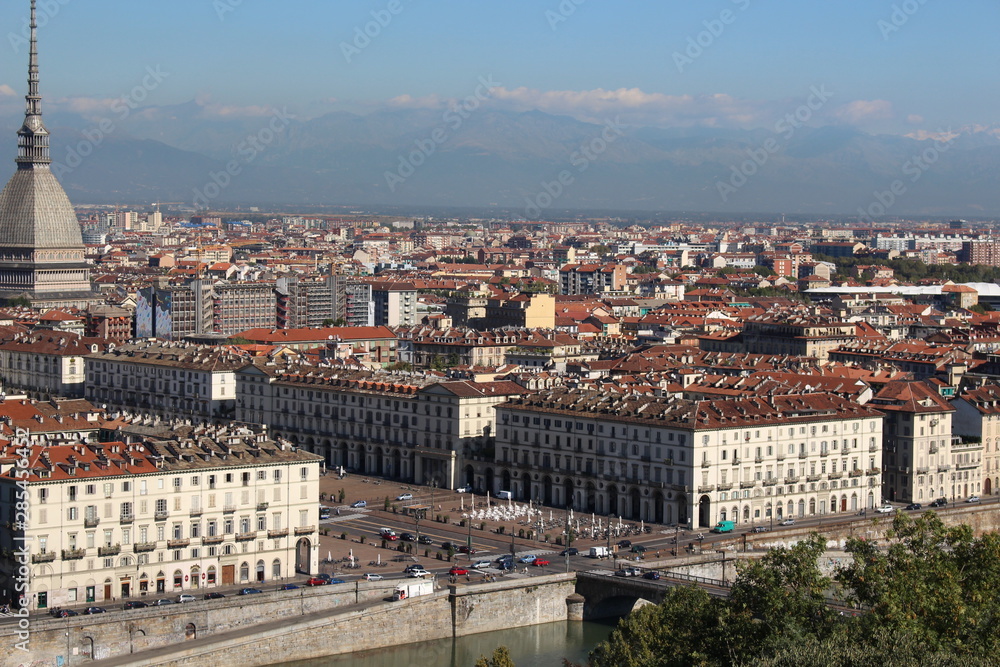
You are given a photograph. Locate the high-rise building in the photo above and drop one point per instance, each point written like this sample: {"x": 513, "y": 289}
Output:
{"x": 41, "y": 246}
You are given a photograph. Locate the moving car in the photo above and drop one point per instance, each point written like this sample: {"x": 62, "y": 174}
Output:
{"x": 249, "y": 591}
{"x": 214, "y": 596}
{"x": 759, "y": 529}
{"x": 419, "y": 574}
{"x": 464, "y": 489}
{"x": 628, "y": 572}
{"x": 161, "y": 602}
{"x": 914, "y": 506}
{"x": 788, "y": 522}
{"x": 625, "y": 544}
{"x": 457, "y": 571}
{"x": 540, "y": 562}
{"x": 940, "y": 502}
{"x": 413, "y": 566}
{"x": 288, "y": 587}
{"x": 95, "y": 610}
{"x": 407, "y": 537}
{"x": 885, "y": 509}
{"x": 359, "y": 503}
{"x": 134, "y": 604}
{"x": 186, "y": 597}
{"x": 481, "y": 565}
{"x": 337, "y": 581}
{"x": 466, "y": 550}
{"x": 972, "y": 499}
{"x": 572, "y": 551}
{"x": 314, "y": 581}
{"x": 370, "y": 576}
{"x": 65, "y": 613}
{"x": 324, "y": 576}
{"x": 652, "y": 574}
{"x": 638, "y": 549}
{"x": 530, "y": 558}
{"x": 405, "y": 496}
{"x": 724, "y": 527}
{"x": 423, "y": 539}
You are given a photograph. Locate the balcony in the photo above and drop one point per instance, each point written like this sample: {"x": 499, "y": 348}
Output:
{"x": 73, "y": 554}
{"x": 944, "y": 468}
{"x": 747, "y": 485}
{"x": 967, "y": 466}
{"x": 91, "y": 522}
{"x": 923, "y": 470}
{"x": 706, "y": 489}
{"x": 228, "y": 509}
{"x": 736, "y": 462}
{"x": 196, "y": 511}
{"x": 813, "y": 478}
{"x": 758, "y": 459}
{"x": 874, "y": 448}
{"x": 792, "y": 479}
{"x": 874, "y": 471}
{"x": 305, "y": 530}
{"x": 142, "y": 547}
{"x": 836, "y": 475}
{"x": 857, "y": 472}
{"x": 161, "y": 516}
{"x": 126, "y": 518}
{"x": 279, "y": 532}
{"x": 802, "y": 455}
{"x": 177, "y": 544}
{"x": 825, "y": 452}
{"x": 771, "y": 481}
{"x": 781, "y": 457}
{"x": 246, "y": 537}
{"x": 213, "y": 539}
{"x": 706, "y": 464}
{"x": 110, "y": 550}
{"x": 261, "y": 507}
{"x": 43, "y": 557}
{"x": 725, "y": 487}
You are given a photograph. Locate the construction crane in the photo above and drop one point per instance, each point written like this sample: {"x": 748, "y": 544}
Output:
{"x": 166, "y": 203}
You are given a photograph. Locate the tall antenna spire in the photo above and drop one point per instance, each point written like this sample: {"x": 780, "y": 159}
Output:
{"x": 33, "y": 138}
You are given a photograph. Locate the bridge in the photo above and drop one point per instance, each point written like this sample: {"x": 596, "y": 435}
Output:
{"x": 610, "y": 596}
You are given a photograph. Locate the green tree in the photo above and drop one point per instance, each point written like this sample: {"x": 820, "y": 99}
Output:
{"x": 21, "y": 301}
{"x": 600, "y": 249}
{"x": 501, "y": 658}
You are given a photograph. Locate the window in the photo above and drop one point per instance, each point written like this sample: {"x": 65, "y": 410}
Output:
{"x": 304, "y": 473}
{"x": 261, "y": 474}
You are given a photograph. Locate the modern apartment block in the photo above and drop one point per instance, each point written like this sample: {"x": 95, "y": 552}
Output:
{"x": 115, "y": 521}
{"x": 748, "y": 460}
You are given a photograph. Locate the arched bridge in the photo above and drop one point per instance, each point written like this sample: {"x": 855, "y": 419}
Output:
{"x": 608, "y": 596}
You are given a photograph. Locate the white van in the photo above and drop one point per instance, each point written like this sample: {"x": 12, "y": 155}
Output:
{"x": 387, "y": 532}
{"x": 504, "y": 495}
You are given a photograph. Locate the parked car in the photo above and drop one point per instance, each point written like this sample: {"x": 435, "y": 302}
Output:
{"x": 481, "y": 565}
{"x": 419, "y": 574}
{"x": 572, "y": 551}
{"x": 759, "y": 529}
{"x": 65, "y": 613}
{"x": 289, "y": 587}
{"x": 940, "y": 502}
{"x": 423, "y": 539}
{"x": 324, "y": 576}
{"x": 625, "y": 544}
{"x": 457, "y": 571}
{"x": 405, "y": 496}
{"x": 652, "y": 574}
{"x": 134, "y": 604}
{"x": 371, "y": 576}
{"x": 447, "y": 545}
{"x": 95, "y": 610}
{"x": 185, "y": 597}
{"x": 628, "y": 572}
{"x": 214, "y": 596}
{"x": 540, "y": 562}
{"x": 972, "y": 499}
{"x": 788, "y": 522}
{"x": 249, "y": 591}
{"x": 316, "y": 581}
{"x": 885, "y": 509}
{"x": 466, "y": 550}
{"x": 161, "y": 602}
{"x": 914, "y": 506}
{"x": 337, "y": 581}
{"x": 526, "y": 559}
{"x": 407, "y": 537}
{"x": 359, "y": 503}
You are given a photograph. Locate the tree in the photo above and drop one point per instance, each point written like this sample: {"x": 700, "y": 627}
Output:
{"x": 501, "y": 658}
{"x": 339, "y": 322}
{"x": 22, "y": 301}
{"x": 600, "y": 249}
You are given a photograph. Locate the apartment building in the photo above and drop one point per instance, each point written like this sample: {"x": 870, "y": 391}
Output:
{"x": 751, "y": 460}
{"x": 592, "y": 278}
{"x": 395, "y": 304}
{"x": 170, "y": 380}
{"x": 922, "y": 462}
{"x": 977, "y": 418}
{"x": 46, "y": 363}
{"x": 403, "y": 426}
{"x": 115, "y": 521}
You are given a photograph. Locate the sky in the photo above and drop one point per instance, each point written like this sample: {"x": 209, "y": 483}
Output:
{"x": 883, "y": 66}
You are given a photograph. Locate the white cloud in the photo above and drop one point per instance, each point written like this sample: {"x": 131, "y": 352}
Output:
{"x": 861, "y": 111}
{"x": 7, "y": 91}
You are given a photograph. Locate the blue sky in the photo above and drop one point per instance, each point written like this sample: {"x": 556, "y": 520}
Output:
{"x": 929, "y": 67}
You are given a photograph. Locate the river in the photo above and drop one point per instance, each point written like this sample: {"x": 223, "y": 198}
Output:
{"x": 535, "y": 646}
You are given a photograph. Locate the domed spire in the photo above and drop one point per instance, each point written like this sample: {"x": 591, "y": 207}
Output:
{"x": 33, "y": 138}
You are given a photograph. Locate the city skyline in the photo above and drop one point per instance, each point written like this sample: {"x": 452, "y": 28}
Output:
{"x": 732, "y": 63}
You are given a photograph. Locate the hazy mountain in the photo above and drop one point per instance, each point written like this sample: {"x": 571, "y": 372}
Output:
{"x": 504, "y": 159}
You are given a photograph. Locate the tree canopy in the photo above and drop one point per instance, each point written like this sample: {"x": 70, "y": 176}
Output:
{"x": 926, "y": 596}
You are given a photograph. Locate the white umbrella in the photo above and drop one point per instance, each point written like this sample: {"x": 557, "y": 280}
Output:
{"x": 329, "y": 556}
{"x": 378, "y": 559}
{"x": 462, "y": 499}
{"x": 487, "y": 498}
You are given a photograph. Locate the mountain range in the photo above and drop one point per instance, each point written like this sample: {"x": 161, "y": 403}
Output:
{"x": 525, "y": 163}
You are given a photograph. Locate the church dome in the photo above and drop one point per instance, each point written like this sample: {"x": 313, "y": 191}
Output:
{"x": 35, "y": 212}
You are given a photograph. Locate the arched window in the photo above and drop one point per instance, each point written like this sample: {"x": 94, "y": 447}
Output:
{"x": 244, "y": 571}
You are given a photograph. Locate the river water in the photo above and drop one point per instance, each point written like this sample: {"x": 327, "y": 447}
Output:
{"x": 536, "y": 646}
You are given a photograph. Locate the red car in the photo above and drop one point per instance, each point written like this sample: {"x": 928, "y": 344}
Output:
{"x": 316, "y": 581}
{"x": 539, "y": 562}
{"x": 466, "y": 550}
{"x": 458, "y": 571}
{"x": 392, "y": 538}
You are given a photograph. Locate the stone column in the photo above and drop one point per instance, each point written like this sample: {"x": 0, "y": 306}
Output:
{"x": 574, "y": 607}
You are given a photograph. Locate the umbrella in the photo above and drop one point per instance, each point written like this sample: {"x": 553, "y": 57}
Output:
{"x": 329, "y": 556}
{"x": 462, "y": 499}
{"x": 378, "y": 559}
